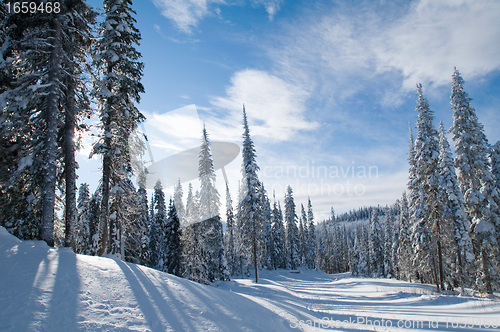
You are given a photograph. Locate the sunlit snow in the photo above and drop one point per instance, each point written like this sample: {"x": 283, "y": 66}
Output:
{"x": 46, "y": 289}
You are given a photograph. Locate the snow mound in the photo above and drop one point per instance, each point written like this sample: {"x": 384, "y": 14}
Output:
{"x": 47, "y": 289}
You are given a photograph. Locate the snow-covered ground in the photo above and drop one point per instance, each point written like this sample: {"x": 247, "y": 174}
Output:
{"x": 45, "y": 289}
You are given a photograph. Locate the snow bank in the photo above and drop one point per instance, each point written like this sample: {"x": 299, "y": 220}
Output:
{"x": 46, "y": 289}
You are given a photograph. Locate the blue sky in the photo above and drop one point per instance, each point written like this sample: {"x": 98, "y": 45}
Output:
{"x": 329, "y": 86}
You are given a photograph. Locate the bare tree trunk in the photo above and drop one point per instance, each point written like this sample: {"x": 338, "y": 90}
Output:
{"x": 50, "y": 165}
{"x": 440, "y": 265}
{"x": 70, "y": 165}
{"x": 106, "y": 179}
{"x": 485, "y": 271}
{"x": 460, "y": 270}
{"x": 255, "y": 264}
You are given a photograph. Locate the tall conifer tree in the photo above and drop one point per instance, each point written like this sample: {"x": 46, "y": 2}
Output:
{"x": 250, "y": 208}
{"x": 311, "y": 238}
{"x": 453, "y": 215}
{"x": 117, "y": 87}
{"x": 292, "y": 232}
{"x": 481, "y": 197}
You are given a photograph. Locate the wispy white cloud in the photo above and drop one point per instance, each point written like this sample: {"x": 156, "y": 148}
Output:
{"x": 435, "y": 36}
{"x": 339, "y": 49}
{"x": 185, "y": 13}
{"x": 275, "y": 107}
{"x": 174, "y": 131}
{"x": 271, "y": 6}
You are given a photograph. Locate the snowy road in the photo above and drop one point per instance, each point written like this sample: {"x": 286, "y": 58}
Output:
{"x": 312, "y": 300}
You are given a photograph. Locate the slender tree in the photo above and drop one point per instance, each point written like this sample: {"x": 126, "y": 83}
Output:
{"x": 292, "y": 232}
{"x": 311, "y": 238}
{"x": 249, "y": 209}
{"x": 179, "y": 205}
{"x": 428, "y": 231}
{"x": 481, "y": 197}
{"x": 302, "y": 235}
{"x": 376, "y": 245}
{"x": 209, "y": 205}
{"x": 453, "y": 215}
{"x": 278, "y": 235}
{"x": 404, "y": 250}
{"x": 230, "y": 235}
{"x": 116, "y": 87}
{"x": 158, "y": 230}
{"x": 388, "y": 243}
{"x": 173, "y": 245}
{"x": 82, "y": 227}
{"x": 209, "y": 196}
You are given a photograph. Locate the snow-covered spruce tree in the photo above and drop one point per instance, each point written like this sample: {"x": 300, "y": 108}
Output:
{"x": 376, "y": 242}
{"x": 426, "y": 218}
{"x": 359, "y": 259}
{"x": 411, "y": 210}
{"x": 82, "y": 226}
{"x": 250, "y": 208}
{"x": 482, "y": 201}
{"x": 179, "y": 204}
{"x": 230, "y": 235}
{"x": 404, "y": 252}
{"x": 321, "y": 258}
{"x": 134, "y": 221}
{"x": 388, "y": 244}
{"x": 311, "y": 238}
{"x": 209, "y": 196}
{"x": 302, "y": 235}
{"x": 94, "y": 224}
{"x": 209, "y": 205}
{"x": 116, "y": 88}
{"x": 173, "y": 245}
{"x": 278, "y": 236}
{"x": 267, "y": 240}
{"x": 395, "y": 240}
{"x": 158, "y": 230}
{"x": 20, "y": 178}
{"x": 292, "y": 232}
{"x": 454, "y": 218}
{"x": 144, "y": 222}
{"x": 192, "y": 209}
{"x": 365, "y": 254}
{"x": 355, "y": 253}
{"x": 41, "y": 94}
{"x": 137, "y": 221}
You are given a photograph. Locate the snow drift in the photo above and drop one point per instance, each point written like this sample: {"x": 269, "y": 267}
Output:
{"x": 47, "y": 289}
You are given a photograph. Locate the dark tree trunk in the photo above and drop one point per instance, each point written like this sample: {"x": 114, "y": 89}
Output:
{"x": 50, "y": 150}
{"x": 106, "y": 180}
{"x": 70, "y": 165}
